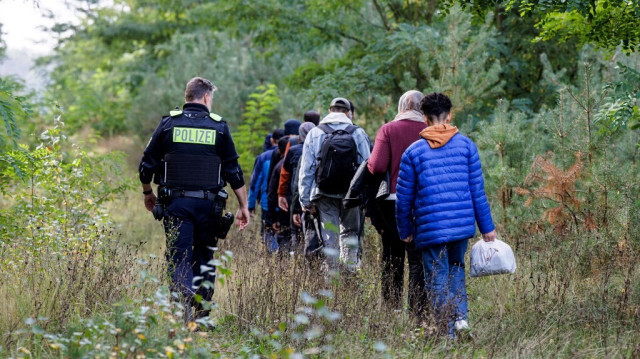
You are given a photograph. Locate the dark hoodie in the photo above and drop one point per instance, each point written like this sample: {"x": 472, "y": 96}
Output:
{"x": 275, "y": 213}
{"x": 267, "y": 142}
{"x": 291, "y": 127}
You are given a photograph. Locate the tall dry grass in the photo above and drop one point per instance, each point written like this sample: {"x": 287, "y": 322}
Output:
{"x": 573, "y": 295}
{"x": 67, "y": 285}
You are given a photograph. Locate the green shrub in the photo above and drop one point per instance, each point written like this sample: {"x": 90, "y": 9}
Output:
{"x": 259, "y": 120}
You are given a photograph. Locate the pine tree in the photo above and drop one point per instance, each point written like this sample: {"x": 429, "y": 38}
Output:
{"x": 463, "y": 64}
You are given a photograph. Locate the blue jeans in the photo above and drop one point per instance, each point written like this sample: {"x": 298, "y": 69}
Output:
{"x": 445, "y": 283}
{"x": 268, "y": 235}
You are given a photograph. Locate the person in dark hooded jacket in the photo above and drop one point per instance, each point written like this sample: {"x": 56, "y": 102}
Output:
{"x": 288, "y": 196}
{"x": 277, "y": 216}
{"x": 258, "y": 188}
{"x": 291, "y": 132}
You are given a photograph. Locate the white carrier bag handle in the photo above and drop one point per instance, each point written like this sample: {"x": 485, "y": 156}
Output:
{"x": 490, "y": 258}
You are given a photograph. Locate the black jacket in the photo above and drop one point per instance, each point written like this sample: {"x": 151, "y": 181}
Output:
{"x": 291, "y": 165}
{"x": 366, "y": 186}
{"x": 275, "y": 214}
{"x": 192, "y": 131}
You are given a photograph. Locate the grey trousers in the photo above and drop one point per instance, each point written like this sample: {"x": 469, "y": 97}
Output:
{"x": 340, "y": 230}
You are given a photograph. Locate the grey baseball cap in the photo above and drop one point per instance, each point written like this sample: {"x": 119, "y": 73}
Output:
{"x": 340, "y": 102}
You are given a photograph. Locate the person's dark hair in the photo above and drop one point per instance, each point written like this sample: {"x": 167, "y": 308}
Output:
{"x": 282, "y": 144}
{"x": 338, "y": 109}
{"x": 277, "y": 134}
{"x": 197, "y": 87}
{"x": 435, "y": 105}
{"x": 312, "y": 116}
{"x": 353, "y": 108}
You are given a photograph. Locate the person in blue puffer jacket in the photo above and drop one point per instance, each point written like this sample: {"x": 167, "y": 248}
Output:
{"x": 440, "y": 198}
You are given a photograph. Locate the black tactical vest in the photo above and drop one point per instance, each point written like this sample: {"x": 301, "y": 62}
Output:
{"x": 192, "y": 162}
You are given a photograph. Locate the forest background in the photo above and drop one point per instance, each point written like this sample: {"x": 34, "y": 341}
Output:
{"x": 548, "y": 90}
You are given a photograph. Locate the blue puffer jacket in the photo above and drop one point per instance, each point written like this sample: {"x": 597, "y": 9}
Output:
{"x": 440, "y": 193}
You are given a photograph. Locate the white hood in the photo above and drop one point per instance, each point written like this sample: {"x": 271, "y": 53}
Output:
{"x": 336, "y": 117}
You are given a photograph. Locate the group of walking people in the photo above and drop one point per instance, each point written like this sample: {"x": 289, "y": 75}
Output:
{"x": 420, "y": 183}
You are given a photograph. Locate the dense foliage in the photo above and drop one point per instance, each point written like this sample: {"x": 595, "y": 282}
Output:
{"x": 126, "y": 65}
{"x": 607, "y": 23}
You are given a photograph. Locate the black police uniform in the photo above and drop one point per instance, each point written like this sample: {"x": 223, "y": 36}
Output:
{"x": 191, "y": 155}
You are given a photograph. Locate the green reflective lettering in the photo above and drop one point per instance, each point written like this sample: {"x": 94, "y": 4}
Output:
{"x": 199, "y": 136}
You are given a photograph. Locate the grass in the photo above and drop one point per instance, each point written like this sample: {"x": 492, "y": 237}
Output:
{"x": 564, "y": 300}
{"x": 573, "y": 295}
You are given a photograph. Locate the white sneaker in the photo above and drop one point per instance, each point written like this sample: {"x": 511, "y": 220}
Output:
{"x": 462, "y": 330}
{"x": 461, "y": 325}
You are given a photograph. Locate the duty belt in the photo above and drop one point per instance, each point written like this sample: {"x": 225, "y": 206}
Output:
{"x": 176, "y": 193}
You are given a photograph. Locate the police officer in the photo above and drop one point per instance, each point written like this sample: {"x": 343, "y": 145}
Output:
{"x": 191, "y": 155}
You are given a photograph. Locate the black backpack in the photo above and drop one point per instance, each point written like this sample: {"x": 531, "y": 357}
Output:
{"x": 338, "y": 160}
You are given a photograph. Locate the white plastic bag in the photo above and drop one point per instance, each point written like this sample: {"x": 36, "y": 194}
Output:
{"x": 490, "y": 258}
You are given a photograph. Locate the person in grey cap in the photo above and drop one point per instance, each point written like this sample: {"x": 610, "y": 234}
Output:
{"x": 331, "y": 154}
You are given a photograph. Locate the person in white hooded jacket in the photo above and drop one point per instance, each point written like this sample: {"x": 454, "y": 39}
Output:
{"x": 340, "y": 226}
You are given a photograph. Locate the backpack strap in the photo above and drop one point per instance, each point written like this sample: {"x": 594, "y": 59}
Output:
{"x": 350, "y": 129}
{"x": 326, "y": 128}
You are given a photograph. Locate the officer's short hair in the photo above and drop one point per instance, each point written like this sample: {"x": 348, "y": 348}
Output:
{"x": 197, "y": 87}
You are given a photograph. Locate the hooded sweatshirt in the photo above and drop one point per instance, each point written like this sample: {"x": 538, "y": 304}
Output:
{"x": 267, "y": 143}
{"x": 438, "y": 135}
{"x": 291, "y": 159}
{"x": 313, "y": 144}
